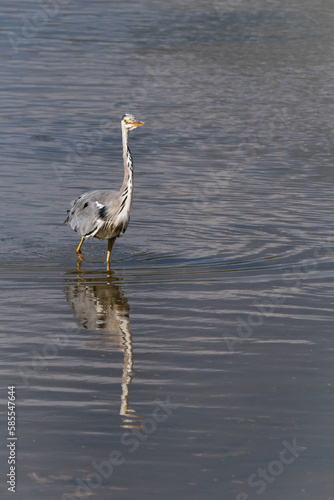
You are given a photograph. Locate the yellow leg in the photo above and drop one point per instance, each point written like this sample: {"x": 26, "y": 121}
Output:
{"x": 78, "y": 250}
{"x": 110, "y": 245}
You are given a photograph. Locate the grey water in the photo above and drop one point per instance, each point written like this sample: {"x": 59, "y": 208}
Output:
{"x": 201, "y": 364}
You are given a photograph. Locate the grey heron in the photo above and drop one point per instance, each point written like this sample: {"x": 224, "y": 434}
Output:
{"x": 105, "y": 214}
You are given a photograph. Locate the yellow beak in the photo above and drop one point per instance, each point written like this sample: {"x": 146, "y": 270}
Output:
{"x": 138, "y": 124}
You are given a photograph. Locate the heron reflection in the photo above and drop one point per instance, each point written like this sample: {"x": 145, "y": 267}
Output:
{"x": 100, "y": 305}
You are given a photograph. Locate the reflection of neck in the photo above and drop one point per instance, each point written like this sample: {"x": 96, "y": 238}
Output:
{"x": 127, "y": 365}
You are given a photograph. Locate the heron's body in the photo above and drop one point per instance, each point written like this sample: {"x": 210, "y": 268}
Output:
{"x": 105, "y": 214}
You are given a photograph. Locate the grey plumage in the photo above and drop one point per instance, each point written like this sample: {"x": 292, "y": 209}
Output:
{"x": 94, "y": 214}
{"x": 105, "y": 214}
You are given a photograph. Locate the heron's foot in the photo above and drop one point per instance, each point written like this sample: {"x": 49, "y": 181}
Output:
{"x": 80, "y": 256}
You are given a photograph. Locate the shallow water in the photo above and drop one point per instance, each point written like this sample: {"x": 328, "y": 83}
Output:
{"x": 205, "y": 355}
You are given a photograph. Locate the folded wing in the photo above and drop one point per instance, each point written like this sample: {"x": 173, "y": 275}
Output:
{"x": 90, "y": 211}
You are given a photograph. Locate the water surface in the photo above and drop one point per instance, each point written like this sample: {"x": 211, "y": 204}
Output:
{"x": 206, "y": 350}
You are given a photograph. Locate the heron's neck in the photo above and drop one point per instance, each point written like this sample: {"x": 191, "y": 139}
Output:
{"x": 127, "y": 185}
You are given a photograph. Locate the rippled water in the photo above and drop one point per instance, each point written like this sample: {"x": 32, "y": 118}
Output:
{"x": 201, "y": 364}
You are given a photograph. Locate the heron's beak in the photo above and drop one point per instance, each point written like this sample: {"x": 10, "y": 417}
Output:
{"x": 138, "y": 124}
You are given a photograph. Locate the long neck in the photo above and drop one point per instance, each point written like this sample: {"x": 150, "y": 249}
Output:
{"x": 127, "y": 185}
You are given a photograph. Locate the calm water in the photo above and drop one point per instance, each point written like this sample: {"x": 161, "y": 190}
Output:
{"x": 200, "y": 366}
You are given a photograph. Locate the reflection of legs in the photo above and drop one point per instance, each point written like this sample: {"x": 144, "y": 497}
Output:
{"x": 79, "y": 254}
{"x": 110, "y": 245}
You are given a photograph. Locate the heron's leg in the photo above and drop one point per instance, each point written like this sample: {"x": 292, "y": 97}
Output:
{"x": 78, "y": 250}
{"x": 110, "y": 245}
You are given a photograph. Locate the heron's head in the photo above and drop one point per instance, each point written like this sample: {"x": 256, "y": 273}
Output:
{"x": 130, "y": 122}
